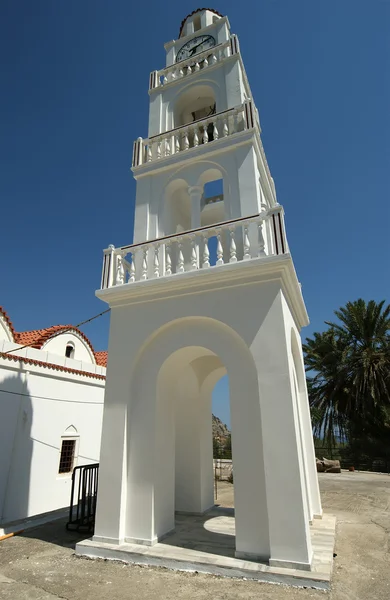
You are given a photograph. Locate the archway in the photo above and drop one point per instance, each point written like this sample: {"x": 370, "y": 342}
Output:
{"x": 172, "y": 380}
{"x": 196, "y": 102}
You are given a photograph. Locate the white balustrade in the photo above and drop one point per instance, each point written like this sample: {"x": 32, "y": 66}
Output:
{"x": 192, "y": 135}
{"x": 240, "y": 240}
{"x": 190, "y": 65}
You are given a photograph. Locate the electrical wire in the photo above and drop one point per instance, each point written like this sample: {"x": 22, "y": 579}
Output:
{"x": 70, "y": 328}
{"x": 33, "y": 396}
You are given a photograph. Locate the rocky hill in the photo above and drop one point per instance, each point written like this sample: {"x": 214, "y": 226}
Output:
{"x": 220, "y": 431}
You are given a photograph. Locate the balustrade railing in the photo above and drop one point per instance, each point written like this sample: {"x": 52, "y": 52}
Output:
{"x": 202, "y": 131}
{"x": 208, "y": 247}
{"x": 200, "y": 61}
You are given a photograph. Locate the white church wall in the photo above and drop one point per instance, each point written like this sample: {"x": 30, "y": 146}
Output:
{"x": 57, "y": 345}
{"x": 5, "y": 333}
{"x": 37, "y": 405}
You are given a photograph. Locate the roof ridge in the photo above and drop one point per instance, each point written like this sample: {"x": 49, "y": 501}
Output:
{"x": 3, "y": 312}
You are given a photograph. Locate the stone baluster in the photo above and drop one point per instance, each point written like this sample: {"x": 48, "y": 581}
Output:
{"x": 180, "y": 257}
{"x": 215, "y": 130}
{"x": 214, "y": 59}
{"x": 225, "y": 129}
{"x": 196, "y": 137}
{"x": 189, "y": 70}
{"x": 205, "y": 63}
{"x": 219, "y": 249}
{"x": 144, "y": 272}
{"x": 233, "y": 249}
{"x": 120, "y": 271}
{"x": 168, "y": 260}
{"x": 156, "y": 261}
{"x": 205, "y": 134}
{"x": 177, "y": 143}
{"x": 206, "y": 252}
{"x": 235, "y": 123}
{"x": 149, "y": 155}
{"x": 167, "y": 145}
{"x": 173, "y": 75}
{"x": 261, "y": 249}
{"x": 194, "y": 254}
{"x": 132, "y": 268}
{"x": 165, "y": 80}
{"x": 247, "y": 245}
{"x": 186, "y": 141}
{"x": 197, "y": 67}
{"x": 158, "y": 153}
{"x": 181, "y": 73}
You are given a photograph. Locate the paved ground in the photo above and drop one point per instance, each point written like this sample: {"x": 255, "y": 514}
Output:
{"x": 40, "y": 564}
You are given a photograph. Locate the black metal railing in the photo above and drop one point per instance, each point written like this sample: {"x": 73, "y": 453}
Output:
{"x": 361, "y": 462}
{"x": 83, "y": 497}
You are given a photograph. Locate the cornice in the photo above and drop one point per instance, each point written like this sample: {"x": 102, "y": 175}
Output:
{"x": 243, "y": 273}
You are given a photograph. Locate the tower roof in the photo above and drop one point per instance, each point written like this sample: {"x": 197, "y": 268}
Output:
{"x": 193, "y": 13}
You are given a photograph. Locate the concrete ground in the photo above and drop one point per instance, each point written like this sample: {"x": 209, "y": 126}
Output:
{"x": 40, "y": 564}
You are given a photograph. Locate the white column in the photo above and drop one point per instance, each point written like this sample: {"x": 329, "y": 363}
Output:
{"x": 111, "y": 503}
{"x": 289, "y": 532}
{"x": 194, "y": 451}
{"x": 195, "y": 193}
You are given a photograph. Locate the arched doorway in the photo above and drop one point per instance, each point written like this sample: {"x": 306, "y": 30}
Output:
{"x": 167, "y": 471}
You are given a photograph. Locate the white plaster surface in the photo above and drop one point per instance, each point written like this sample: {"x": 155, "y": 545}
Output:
{"x": 38, "y": 406}
{"x": 171, "y": 338}
{"x": 153, "y": 344}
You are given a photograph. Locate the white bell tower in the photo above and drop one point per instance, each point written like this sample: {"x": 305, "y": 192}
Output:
{"x": 202, "y": 96}
{"x": 207, "y": 287}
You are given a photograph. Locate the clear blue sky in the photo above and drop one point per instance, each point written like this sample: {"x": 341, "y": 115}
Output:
{"x": 74, "y": 78}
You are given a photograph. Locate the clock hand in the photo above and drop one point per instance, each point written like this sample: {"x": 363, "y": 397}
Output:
{"x": 195, "y": 47}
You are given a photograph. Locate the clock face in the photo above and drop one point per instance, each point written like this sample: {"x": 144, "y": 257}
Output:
{"x": 194, "y": 46}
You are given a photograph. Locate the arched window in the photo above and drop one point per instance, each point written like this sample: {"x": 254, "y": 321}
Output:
{"x": 69, "y": 350}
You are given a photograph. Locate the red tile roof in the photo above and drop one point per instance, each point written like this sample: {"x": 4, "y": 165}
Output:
{"x": 8, "y": 321}
{"x": 195, "y": 11}
{"x": 38, "y": 337}
{"x": 101, "y": 358}
{"x": 40, "y": 363}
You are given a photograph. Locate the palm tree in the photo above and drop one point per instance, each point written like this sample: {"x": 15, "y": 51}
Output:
{"x": 351, "y": 366}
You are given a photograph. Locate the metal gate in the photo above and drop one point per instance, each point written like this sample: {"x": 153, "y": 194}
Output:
{"x": 83, "y": 497}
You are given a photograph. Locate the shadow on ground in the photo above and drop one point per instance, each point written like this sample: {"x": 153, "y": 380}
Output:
{"x": 56, "y": 533}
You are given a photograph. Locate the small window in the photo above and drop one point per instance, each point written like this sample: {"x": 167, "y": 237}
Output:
{"x": 69, "y": 351}
{"x": 197, "y": 23}
{"x": 68, "y": 450}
